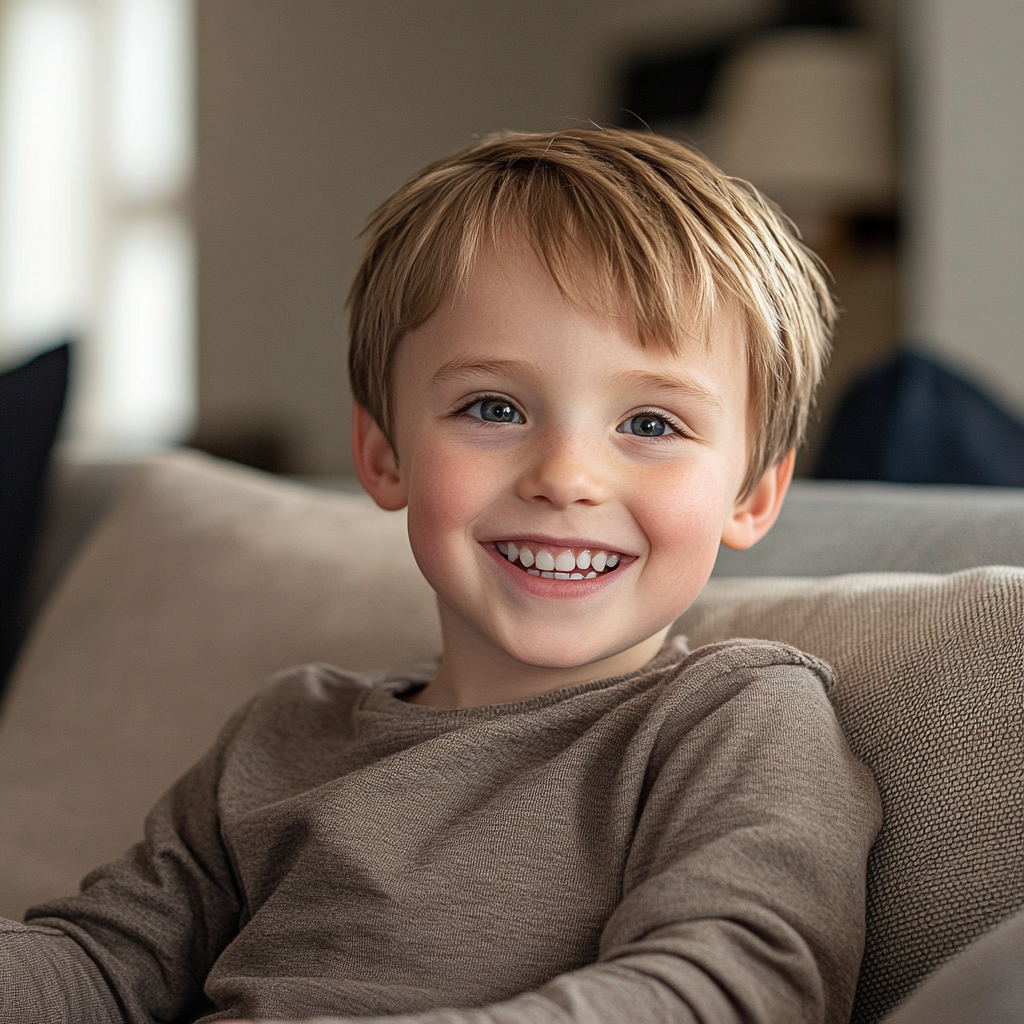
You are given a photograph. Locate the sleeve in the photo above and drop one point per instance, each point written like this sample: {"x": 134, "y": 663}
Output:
{"x": 744, "y": 896}
{"x": 138, "y": 941}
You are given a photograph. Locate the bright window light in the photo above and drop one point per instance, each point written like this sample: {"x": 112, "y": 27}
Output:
{"x": 145, "y": 379}
{"x": 47, "y": 93}
{"x": 96, "y": 155}
{"x": 151, "y": 74}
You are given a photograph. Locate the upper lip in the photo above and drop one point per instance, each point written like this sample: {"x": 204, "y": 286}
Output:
{"x": 541, "y": 540}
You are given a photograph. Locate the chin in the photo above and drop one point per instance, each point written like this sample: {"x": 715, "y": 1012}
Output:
{"x": 546, "y": 660}
{"x": 556, "y": 654}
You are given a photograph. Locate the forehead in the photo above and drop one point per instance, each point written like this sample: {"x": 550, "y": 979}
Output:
{"x": 511, "y": 310}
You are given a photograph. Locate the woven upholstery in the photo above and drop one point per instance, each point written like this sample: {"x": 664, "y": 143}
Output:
{"x": 930, "y": 692}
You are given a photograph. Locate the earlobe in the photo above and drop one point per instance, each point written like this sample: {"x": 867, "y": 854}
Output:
{"x": 376, "y": 462}
{"x": 754, "y": 515}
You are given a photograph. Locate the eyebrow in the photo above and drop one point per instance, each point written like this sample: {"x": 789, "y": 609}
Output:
{"x": 685, "y": 388}
{"x": 459, "y": 370}
{"x": 456, "y": 371}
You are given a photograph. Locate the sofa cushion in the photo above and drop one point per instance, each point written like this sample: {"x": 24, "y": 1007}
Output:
{"x": 929, "y": 690}
{"x": 983, "y": 984}
{"x": 202, "y": 581}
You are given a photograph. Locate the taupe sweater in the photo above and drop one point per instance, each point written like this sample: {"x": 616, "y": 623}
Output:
{"x": 685, "y": 843}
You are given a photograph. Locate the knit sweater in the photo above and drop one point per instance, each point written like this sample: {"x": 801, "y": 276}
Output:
{"x": 684, "y": 843}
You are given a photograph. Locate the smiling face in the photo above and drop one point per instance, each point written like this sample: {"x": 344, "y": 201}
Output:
{"x": 567, "y": 490}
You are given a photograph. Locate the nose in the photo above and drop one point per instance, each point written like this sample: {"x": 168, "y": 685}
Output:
{"x": 562, "y": 469}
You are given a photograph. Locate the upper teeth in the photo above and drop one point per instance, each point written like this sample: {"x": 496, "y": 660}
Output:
{"x": 560, "y": 559}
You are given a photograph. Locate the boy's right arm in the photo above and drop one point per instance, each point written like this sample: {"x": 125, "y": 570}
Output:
{"x": 45, "y": 977}
{"x": 139, "y": 940}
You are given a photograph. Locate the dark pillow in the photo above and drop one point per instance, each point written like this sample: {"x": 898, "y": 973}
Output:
{"x": 31, "y": 402}
{"x": 913, "y": 421}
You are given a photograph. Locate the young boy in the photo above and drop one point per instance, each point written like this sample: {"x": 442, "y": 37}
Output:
{"x": 582, "y": 361}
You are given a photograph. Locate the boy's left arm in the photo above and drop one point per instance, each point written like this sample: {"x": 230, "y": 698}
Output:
{"x": 743, "y": 897}
{"x": 746, "y": 886}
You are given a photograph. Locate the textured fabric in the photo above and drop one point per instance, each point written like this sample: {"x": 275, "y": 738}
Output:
{"x": 201, "y": 582}
{"x": 686, "y": 842}
{"x": 829, "y": 528}
{"x": 204, "y": 579}
{"x": 930, "y": 693}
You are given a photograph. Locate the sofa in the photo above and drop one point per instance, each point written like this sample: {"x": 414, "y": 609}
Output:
{"x": 167, "y": 589}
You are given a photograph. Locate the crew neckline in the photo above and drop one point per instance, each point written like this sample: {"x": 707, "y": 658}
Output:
{"x": 385, "y": 693}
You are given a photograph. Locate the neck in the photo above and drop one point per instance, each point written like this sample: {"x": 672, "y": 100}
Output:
{"x": 474, "y": 672}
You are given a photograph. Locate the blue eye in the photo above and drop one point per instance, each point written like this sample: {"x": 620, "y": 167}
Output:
{"x": 646, "y": 424}
{"x": 495, "y": 410}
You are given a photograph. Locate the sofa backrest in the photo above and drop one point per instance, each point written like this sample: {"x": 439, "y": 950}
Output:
{"x": 831, "y": 527}
{"x": 930, "y": 694}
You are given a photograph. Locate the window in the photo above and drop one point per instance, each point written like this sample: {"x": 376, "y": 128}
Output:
{"x": 95, "y": 241}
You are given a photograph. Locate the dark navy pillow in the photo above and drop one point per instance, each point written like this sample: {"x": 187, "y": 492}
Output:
{"x": 914, "y": 421}
{"x": 31, "y": 402}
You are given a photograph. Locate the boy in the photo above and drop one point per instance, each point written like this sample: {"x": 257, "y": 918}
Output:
{"x": 581, "y": 361}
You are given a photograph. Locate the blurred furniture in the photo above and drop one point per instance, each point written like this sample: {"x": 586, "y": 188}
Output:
{"x": 31, "y": 403}
{"x": 913, "y": 420}
{"x": 807, "y": 115}
{"x": 179, "y": 584}
{"x": 984, "y": 984}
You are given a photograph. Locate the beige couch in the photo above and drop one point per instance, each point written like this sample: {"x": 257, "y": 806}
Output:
{"x": 202, "y": 579}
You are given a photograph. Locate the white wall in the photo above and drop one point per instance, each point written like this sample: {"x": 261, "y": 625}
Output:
{"x": 964, "y": 266}
{"x": 311, "y": 111}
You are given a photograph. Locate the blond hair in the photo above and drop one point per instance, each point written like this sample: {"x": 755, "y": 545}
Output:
{"x": 656, "y": 227}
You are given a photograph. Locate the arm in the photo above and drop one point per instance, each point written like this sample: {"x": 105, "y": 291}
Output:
{"x": 139, "y": 940}
{"x": 743, "y": 898}
{"x": 46, "y": 977}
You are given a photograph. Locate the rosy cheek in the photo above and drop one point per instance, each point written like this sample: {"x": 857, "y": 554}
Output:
{"x": 445, "y": 495}
{"x": 685, "y": 531}
{"x": 440, "y": 486}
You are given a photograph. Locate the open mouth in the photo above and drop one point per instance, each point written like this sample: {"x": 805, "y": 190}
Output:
{"x": 559, "y": 563}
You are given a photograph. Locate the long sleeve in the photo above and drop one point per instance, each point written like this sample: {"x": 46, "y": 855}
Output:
{"x": 48, "y": 977}
{"x": 139, "y": 940}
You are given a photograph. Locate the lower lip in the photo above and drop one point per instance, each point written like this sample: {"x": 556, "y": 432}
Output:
{"x": 540, "y": 586}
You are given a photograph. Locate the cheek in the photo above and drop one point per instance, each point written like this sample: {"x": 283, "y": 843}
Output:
{"x": 684, "y": 529}
{"x": 447, "y": 491}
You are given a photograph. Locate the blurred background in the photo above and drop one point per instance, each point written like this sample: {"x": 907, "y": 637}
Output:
{"x": 182, "y": 183}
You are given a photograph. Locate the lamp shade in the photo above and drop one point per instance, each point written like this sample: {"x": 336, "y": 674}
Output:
{"x": 807, "y": 116}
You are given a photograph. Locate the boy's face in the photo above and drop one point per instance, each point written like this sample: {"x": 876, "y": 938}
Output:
{"x": 523, "y": 424}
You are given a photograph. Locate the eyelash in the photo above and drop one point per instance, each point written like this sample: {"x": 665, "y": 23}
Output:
{"x": 675, "y": 428}
{"x": 463, "y": 409}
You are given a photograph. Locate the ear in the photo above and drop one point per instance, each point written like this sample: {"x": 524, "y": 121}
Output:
{"x": 754, "y": 515}
{"x": 376, "y": 462}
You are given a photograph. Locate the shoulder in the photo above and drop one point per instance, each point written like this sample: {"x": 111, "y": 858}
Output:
{"x": 747, "y": 670}
{"x": 314, "y": 699}
{"x": 759, "y": 703}
{"x": 311, "y": 688}
{"x": 742, "y": 653}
